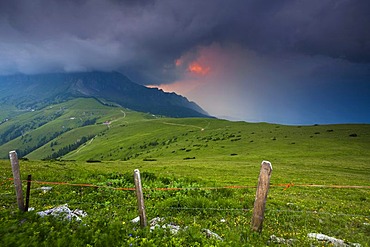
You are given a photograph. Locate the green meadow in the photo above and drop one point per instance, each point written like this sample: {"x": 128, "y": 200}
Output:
{"x": 198, "y": 173}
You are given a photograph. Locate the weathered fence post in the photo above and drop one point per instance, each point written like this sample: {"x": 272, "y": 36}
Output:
{"x": 140, "y": 198}
{"x": 261, "y": 196}
{"x": 28, "y": 192}
{"x": 17, "y": 179}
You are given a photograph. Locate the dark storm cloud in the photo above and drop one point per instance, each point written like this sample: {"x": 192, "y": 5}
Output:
{"x": 143, "y": 38}
{"x": 338, "y": 29}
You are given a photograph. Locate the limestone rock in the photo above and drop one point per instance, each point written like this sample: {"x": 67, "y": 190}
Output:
{"x": 65, "y": 211}
{"x": 333, "y": 241}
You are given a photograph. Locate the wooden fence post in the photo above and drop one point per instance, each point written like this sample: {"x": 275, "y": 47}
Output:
{"x": 28, "y": 192}
{"x": 17, "y": 179}
{"x": 261, "y": 196}
{"x": 140, "y": 198}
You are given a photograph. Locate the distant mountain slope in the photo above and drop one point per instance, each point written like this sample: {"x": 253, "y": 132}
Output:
{"x": 85, "y": 129}
{"x": 37, "y": 91}
{"x": 60, "y": 128}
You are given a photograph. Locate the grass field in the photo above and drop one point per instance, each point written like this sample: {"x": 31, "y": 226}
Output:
{"x": 203, "y": 203}
{"x": 202, "y": 159}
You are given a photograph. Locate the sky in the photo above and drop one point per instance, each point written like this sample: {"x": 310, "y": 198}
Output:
{"x": 287, "y": 61}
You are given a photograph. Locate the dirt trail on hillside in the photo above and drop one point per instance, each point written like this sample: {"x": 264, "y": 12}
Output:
{"x": 187, "y": 125}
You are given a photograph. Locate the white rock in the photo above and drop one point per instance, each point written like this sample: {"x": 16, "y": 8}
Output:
{"x": 65, "y": 211}
{"x": 155, "y": 224}
{"x": 174, "y": 229}
{"x": 155, "y": 221}
{"x": 334, "y": 241}
{"x": 210, "y": 234}
{"x": 279, "y": 240}
{"x": 136, "y": 220}
{"x": 152, "y": 228}
{"x": 80, "y": 212}
{"x": 45, "y": 189}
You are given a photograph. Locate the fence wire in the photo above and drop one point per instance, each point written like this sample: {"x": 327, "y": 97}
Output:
{"x": 8, "y": 182}
{"x": 285, "y": 186}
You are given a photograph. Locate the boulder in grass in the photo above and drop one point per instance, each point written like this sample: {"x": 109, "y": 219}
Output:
{"x": 64, "y": 211}
{"x": 278, "y": 240}
{"x": 334, "y": 241}
{"x": 210, "y": 234}
{"x": 45, "y": 189}
{"x": 136, "y": 220}
{"x": 156, "y": 223}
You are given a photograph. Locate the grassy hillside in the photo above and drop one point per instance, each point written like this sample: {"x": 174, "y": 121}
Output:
{"x": 197, "y": 157}
{"x": 115, "y": 133}
{"x": 338, "y": 148}
{"x": 199, "y": 202}
{"x": 40, "y": 129}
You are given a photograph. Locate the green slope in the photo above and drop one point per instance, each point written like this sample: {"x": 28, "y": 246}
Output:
{"x": 61, "y": 123}
{"x": 178, "y": 142}
{"x": 186, "y": 153}
{"x": 84, "y": 129}
{"x": 220, "y": 139}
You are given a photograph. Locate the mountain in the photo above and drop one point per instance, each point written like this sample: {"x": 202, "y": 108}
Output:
{"x": 38, "y": 91}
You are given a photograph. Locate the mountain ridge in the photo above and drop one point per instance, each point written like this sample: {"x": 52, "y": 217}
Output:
{"x": 29, "y": 91}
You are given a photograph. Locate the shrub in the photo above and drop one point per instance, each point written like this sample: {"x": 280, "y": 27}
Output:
{"x": 91, "y": 160}
{"x": 189, "y": 158}
{"x": 149, "y": 159}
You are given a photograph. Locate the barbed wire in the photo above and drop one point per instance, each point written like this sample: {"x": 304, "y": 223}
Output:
{"x": 244, "y": 210}
{"x": 285, "y": 185}
{"x": 332, "y": 186}
{"x": 316, "y": 212}
{"x": 4, "y": 182}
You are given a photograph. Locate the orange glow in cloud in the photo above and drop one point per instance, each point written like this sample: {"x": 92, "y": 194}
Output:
{"x": 178, "y": 62}
{"x": 196, "y": 68}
